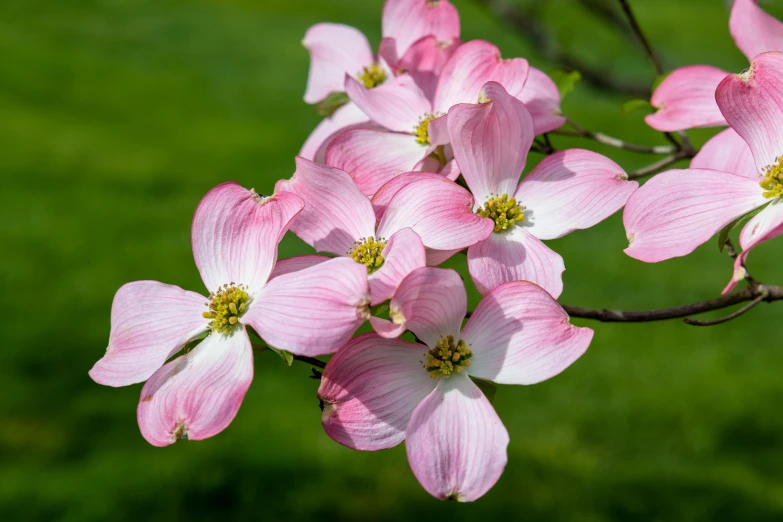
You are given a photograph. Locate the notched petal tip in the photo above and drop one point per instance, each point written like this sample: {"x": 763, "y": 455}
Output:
{"x": 180, "y": 431}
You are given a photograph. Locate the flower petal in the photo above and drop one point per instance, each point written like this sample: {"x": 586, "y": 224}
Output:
{"x": 471, "y": 66}
{"x": 678, "y": 210}
{"x": 370, "y": 388}
{"x": 686, "y": 99}
{"x": 424, "y": 60}
{"x": 295, "y": 264}
{"x": 753, "y": 30}
{"x": 403, "y": 254}
{"x": 491, "y": 141}
{"x": 335, "y": 50}
{"x": 235, "y": 234}
{"x": 438, "y": 257}
{"x": 349, "y": 116}
{"x": 542, "y": 100}
{"x": 380, "y": 201}
{"x": 198, "y": 394}
{"x": 336, "y": 213}
{"x": 398, "y": 104}
{"x": 440, "y": 211}
{"x": 372, "y": 157}
{"x": 516, "y": 255}
{"x": 313, "y": 311}
{"x": 571, "y": 190}
{"x": 752, "y": 103}
{"x": 766, "y": 225}
{"x": 727, "y": 152}
{"x": 520, "y": 335}
{"x": 456, "y": 443}
{"x": 406, "y": 21}
{"x": 150, "y": 322}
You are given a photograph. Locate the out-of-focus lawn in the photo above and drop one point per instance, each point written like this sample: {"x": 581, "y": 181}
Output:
{"x": 116, "y": 116}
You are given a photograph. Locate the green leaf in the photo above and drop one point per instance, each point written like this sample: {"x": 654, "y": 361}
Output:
{"x": 288, "y": 357}
{"x": 636, "y": 105}
{"x": 332, "y": 102}
{"x": 723, "y": 235}
{"x": 488, "y": 388}
{"x": 565, "y": 81}
{"x": 659, "y": 80}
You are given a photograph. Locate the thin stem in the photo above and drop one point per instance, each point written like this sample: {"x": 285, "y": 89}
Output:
{"x": 656, "y": 63}
{"x": 659, "y": 165}
{"x": 600, "y": 137}
{"x": 312, "y": 361}
{"x": 733, "y": 315}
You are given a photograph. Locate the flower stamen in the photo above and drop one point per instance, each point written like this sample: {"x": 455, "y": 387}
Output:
{"x": 372, "y": 76}
{"x": 226, "y": 306}
{"x": 772, "y": 180}
{"x": 367, "y": 251}
{"x": 447, "y": 357}
{"x": 503, "y": 210}
{"x": 421, "y": 131}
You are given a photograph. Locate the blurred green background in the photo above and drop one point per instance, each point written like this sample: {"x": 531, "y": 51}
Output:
{"x": 117, "y": 116}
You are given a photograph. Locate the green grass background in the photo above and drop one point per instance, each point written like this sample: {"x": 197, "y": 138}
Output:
{"x": 117, "y": 116}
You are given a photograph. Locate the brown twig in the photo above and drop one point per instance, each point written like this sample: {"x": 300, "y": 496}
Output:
{"x": 656, "y": 62}
{"x": 659, "y": 165}
{"x": 733, "y": 315}
{"x": 600, "y": 137}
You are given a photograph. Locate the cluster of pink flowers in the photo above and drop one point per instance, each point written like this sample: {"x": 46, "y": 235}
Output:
{"x": 375, "y": 189}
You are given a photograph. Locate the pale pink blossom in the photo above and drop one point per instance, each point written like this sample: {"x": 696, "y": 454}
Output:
{"x": 378, "y": 392}
{"x": 235, "y": 235}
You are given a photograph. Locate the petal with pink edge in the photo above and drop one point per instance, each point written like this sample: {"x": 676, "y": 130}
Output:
{"x": 335, "y": 50}
{"x": 380, "y": 201}
{"x": 491, "y": 141}
{"x": 424, "y": 61}
{"x": 753, "y": 30}
{"x": 440, "y": 211}
{"x": 766, "y": 225}
{"x": 686, "y": 99}
{"x": 456, "y": 442}
{"x": 515, "y": 255}
{"x": 235, "y": 234}
{"x": 336, "y": 213}
{"x": 406, "y": 21}
{"x": 372, "y": 158}
{"x": 520, "y": 335}
{"x": 397, "y": 105}
{"x": 313, "y": 311}
{"x": 404, "y": 253}
{"x": 678, "y": 210}
{"x": 349, "y": 116}
{"x": 150, "y": 322}
{"x": 370, "y": 388}
{"x": 295, "y": 264}
{"x": 572, "y": 190}
{"x": 727, "y": 152}
{"x": 542, "y": 99}
{"x": 198, "y": 394}
{"x": 752, "y": 103}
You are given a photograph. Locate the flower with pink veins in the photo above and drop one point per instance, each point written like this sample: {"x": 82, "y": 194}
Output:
{"x": 235, "y": 235}
{"x": 686, "y": 97}
{"x": 676, "y": 211}
{"x": 378, "y": 392}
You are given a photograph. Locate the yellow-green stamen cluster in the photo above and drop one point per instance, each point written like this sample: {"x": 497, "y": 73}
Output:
{"x": 421, "y": 131}
{"x": 226, "y": 306}
{"x": 447, "y": 357}
{"x": 503, "y": 210}
{"x": 372, "y": 76}
{"x": 772, "y": 182}
{"x": 368, "y": 252}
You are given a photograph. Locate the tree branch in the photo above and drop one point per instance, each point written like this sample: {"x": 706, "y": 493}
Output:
{"x": 659, "y": 165}
{"x": 600, "y": 137}
{"x": 733, "y": 315}
{"x": 656, "y": 62}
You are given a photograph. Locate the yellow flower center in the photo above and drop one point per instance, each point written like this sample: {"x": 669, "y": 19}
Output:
{"x": 226, "y": 306}
{"x": 372, "y": 76}
{"x": 447, "y": 357}
{"x": 503, "y": 210}
{"x": 421, "y": 131}
{"x": 368, "y": 253}
{"x": 772, "y": 181}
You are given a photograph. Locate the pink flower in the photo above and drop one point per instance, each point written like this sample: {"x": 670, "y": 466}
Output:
{"x": 235, "y": 235}
{"x": 686, "y": 98}
{"x": 378, "y": 392}
{"x": 676, "y": 211}
{"x": 567, "y": 191}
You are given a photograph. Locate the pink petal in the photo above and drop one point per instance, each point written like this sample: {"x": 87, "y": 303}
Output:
{"x": 198, "y": 394}
{"x": 766, "y": 225}
{"x": 424, "y": 61}
{"x": 313, "y": 311}
{"x": 438, "y": 131}
{"x": 753, "y": 30}
{"x": 372, "y": 157}
{"x": 406, "y": 21}
{"x": 686, "y": 99}
{"x": 571, "y": 190}
{"x": 235, "y": 234}
{"x": 515, "y": 255}
{"x": 438, "y": 257}
{"x": 471, "y": 66}
{"x": 295, "y": 264}
{"x": 520, "y": 335}
{"x": 440, "y": 211}
{"x": 678, "y": 210}
{"x": 727, "y": 152}
{"x": 542, "y": 99}
{"x": 450, "y": 170}
{"x": 380, "y": 201}
{"x": 456, "y": 442}
{"x": 491, "y": 141}
{"x": 335, "y": 50}
{"x": 752, "y": 103}
{"x": 397, "y": 105}
{"x": 336, "y": 213}
{"x": 349, "y": 116}
{"x": 370, "y": 388}
{"x": 403, "y": 254}
{"x": 150, "y": 322}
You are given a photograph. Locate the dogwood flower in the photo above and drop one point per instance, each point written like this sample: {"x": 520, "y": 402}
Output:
{"x": 676, "y": 211}
{"x": 235, "y": 235}
{"x": 685, "y": 99}
{"x": 377, "y": 392}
